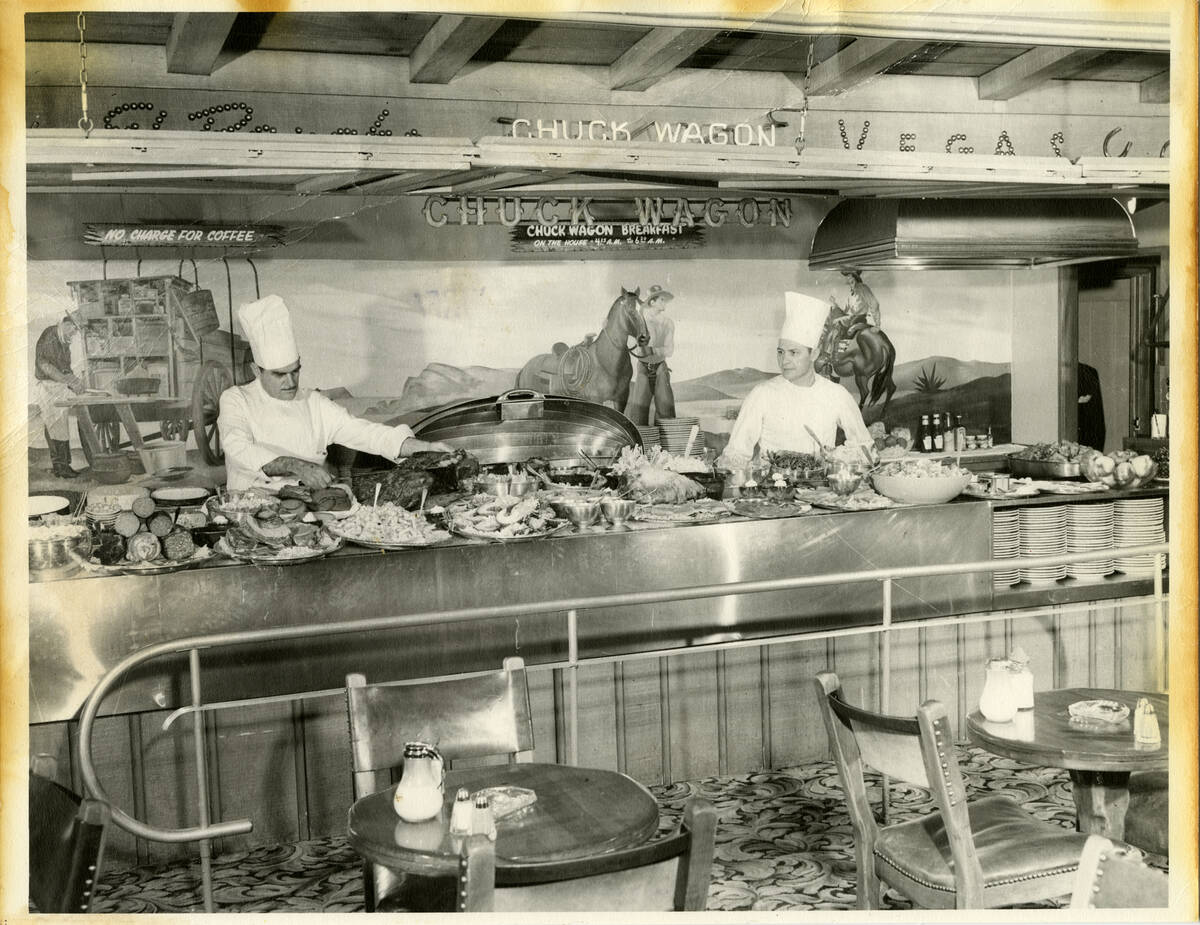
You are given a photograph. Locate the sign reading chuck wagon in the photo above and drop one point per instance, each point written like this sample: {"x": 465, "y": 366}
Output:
{"x": 584, "y": 223}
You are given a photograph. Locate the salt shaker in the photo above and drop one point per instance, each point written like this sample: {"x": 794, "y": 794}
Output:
{"x": 1145, "y": 724}
{"x": 1022, "y": 679}
{"x": 461, "y": 814}
{"x": 482, "y": 822}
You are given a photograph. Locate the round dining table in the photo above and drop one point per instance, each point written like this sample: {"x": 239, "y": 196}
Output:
{"x": 1098, "y": 756}
{"x": 578, "y": 813}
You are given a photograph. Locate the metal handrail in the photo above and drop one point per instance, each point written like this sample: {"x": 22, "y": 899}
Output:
{"x": 194, "y": 644}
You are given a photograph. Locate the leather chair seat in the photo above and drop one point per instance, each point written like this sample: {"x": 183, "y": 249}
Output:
{"x": 1012, "y": 847}
{"x": 1149, "y": 812}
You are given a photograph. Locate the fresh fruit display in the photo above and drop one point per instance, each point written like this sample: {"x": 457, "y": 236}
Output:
{"x": 890, "y": 444}
{"x": 1119, "y": 469}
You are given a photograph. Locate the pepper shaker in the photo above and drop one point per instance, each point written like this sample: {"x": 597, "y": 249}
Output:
{"x": 482, "y": 821}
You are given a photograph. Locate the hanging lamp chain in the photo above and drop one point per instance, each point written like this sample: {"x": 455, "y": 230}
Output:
{"x": 800, "y": 139}
{"x": 85, "y": 124}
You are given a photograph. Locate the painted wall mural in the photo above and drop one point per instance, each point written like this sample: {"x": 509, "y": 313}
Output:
{"x": 398, "y": 338}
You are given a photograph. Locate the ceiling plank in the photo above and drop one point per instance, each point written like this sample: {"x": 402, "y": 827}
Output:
{"x": 860, "y": 60}
{"x": 448, "y": 46}
{"x": 1156, "y": 89}
{"x": 655, "y": 55}
{"x": 196, "y": 40}
{"x": 1027, "y": 71}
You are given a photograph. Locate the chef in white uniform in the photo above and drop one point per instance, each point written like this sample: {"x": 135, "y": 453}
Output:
{"x": 272, "y": 431}
{"x": 778, "y": 413}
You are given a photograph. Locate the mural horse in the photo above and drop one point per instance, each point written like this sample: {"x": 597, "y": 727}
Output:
{"x": 852, "y": 346}
{"x": 598, "y": 368}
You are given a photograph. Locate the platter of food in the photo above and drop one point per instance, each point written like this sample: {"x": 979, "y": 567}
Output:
{"x": 766, "y": 508}
{"x": 267, "y": 538}
{"x": 703, "y": 510}
{"x": 146, "y": 552}
{"x": 158, "y": 566}
{"x": 1019, "y": 489}
{"x": 387, "y": 526}
{"x": 284, "y": 555}
{"x": 187, "y": 494}
{"x": 1067, "y": 488}
{"x": 862, "y": 500}
{"x": 501, "y": 518}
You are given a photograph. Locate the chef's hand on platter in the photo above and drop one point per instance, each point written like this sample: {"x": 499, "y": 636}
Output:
{"x": 311, "y": 474}
{"x": 413, "y": 445}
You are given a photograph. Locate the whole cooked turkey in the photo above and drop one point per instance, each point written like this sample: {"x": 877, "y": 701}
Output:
{"x": 430, "y": 472}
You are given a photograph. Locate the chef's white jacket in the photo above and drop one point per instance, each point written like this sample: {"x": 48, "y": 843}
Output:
{"x": 256, "y": 428}
{"x": 776, "y": 413}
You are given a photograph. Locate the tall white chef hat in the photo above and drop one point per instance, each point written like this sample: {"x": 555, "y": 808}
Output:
{"x": 805, "y": 319}
{"x": 267, "y": 324}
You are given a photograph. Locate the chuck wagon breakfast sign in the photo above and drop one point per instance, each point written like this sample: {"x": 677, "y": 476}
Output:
{"x": 552, "y": 225}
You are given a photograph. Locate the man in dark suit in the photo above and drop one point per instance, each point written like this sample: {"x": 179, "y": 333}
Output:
{"x": 1091, "y": 408}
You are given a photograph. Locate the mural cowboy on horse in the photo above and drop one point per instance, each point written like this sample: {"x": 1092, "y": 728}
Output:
{"x": 853, "y": 344}
{"x": 652, "y": 382}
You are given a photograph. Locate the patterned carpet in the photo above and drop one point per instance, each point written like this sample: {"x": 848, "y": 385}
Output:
{"x": 783, "y": 843}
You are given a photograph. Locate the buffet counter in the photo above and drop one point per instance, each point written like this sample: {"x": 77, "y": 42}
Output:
{"x": 80, "y": 627}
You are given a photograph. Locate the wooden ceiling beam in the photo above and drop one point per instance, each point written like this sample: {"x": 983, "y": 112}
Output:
{"x": 860, "y": 60}
{"x": 655, "y": 55}
{"x": 448, "y": 46}
{"x": 1030, "y": 69}
{"x": 1156, "y": 89}
{"x": 196, "y": 40}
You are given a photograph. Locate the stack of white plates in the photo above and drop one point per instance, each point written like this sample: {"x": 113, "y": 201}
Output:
{"x": 675, "y": 432}
{"x": 1005, "y": 545}
{"x": 1138, "y": 522}
{"x": 1089, "y": 529}
{"x": 649, "y": 435}
{"x": 1043, "y": 532}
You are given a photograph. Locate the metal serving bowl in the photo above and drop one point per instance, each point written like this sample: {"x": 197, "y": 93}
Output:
{"x": 493, "y": 484}
{"x": 617, "y": 510}
{"x": 844, "y": 481}
{"x": 61, "y": 553}
{"x": 580, "y": 513}
{"x": 1042, "y": 468}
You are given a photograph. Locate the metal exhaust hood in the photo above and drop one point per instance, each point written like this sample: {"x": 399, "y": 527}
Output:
{"x": 948, "y": 234}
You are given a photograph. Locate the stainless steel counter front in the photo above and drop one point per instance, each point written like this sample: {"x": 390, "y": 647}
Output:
{"x": 81, "y": 628}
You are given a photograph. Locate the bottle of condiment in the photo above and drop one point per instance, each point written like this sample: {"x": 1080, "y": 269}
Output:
{"x": 925, "y": 437}
{"x": 1145, "y": 725}
{"x": 939, "y": 438}
{"x": 947, "y": 433}
{"x": 989, "y": 438}
{"x": 960, "y": 434}
{"x": 461, "y": 814}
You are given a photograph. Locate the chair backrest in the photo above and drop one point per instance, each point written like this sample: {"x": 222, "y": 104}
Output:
{"x": 668, "y": 875}
{"x": 66, "y": 842}
{"x": 1111, "y": 877}
{"x": 919, "y": 750}
{"x": 470, "y": 717}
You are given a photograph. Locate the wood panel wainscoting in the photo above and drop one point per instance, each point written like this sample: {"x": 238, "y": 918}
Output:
{"x": 286, "y": 765}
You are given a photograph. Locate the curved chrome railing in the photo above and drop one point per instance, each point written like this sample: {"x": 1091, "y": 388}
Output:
{"x": 193, "y": 645}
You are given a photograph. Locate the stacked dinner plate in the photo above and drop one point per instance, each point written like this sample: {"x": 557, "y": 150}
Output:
{"x": 1005, "y": 545}
{"x": 1043, "y": 532}
{"x": 649, "y": 435}
{"x": 675, "y": 432}
{"x": 1089, "y": 529}
{"x": 101, "y": 512}
{"x": 1138, "y": 522}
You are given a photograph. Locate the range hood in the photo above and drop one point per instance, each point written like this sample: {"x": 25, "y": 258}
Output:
{"x": 946, "y": 234}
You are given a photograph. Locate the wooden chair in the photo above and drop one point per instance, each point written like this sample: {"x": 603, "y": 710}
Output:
{"x": 1147, "y": 819}
{"x": 1110, "y": 877}
{"x": 669, "y": 875}
{"x": 66, "y": 843}
{"x": 473, "y": 717}
{"x": 982, "y": 854}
